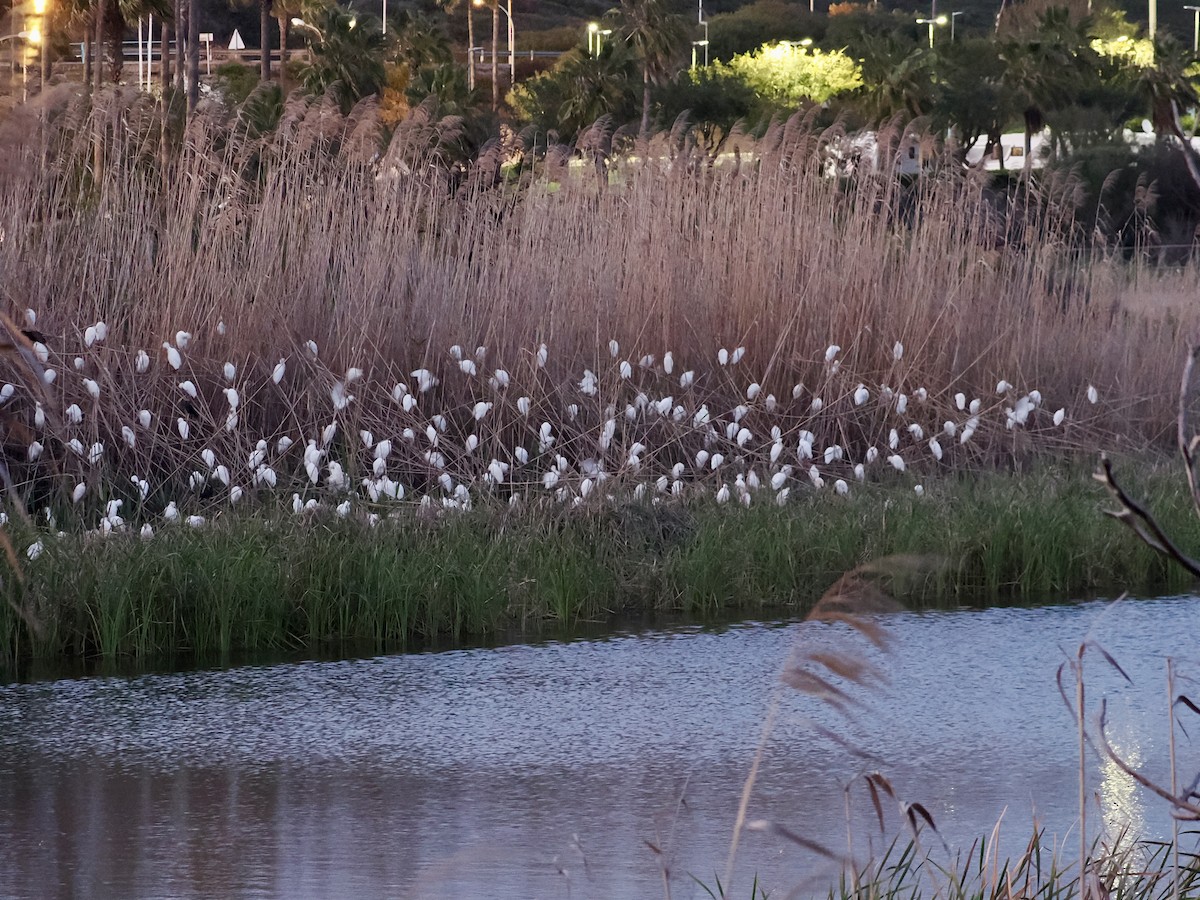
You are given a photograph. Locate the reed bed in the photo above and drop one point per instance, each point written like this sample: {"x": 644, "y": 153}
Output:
{"x": 334, "y": 318}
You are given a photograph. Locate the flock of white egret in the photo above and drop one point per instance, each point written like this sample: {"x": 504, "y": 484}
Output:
{"x": 123, "y": 440}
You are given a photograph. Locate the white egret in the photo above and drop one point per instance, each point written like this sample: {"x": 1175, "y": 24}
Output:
{"x": 77, "y": 494}
{"x": 78, "y": 361}
{"x": 723, "y": 357}
{"x": 960, "y": 400}
{"x": 467, "y": 366}
{"x": 831, "y": 351}
{"x": 230, "y": 371}
{"x": 147, "y": 532}
{"x": 816, "y": 404}
{"x": 41, "y": 351}
{"x": 311, "y": 347}
{"x": 171, "y": 513}
{"x": 860, "y": 473}
{"x": 232, "y": 398}
{"x": 542, "y": 355}
{"x": 841, "y": 488}
{"x": 34, "y": 550}
{"x": 74, "y": 414}
{"x": 501, "y": 378}
{"x": 1002, "y": 387}
{"x": 919, "y": 490}
{"x": 174, "y": 360}
{"x": 184, "y": 428}
{"x": 142, "y": 362}
{"x": 128, "y": 436}
{"x": 49, "y": 375}
{"x": 188, "y": 388}
{"x": 861, "y": 395}
{"x": 668, "y": 362}
{"x": 897, "y": 351}
{"x": 1092, "y": 394}
{"x": 1059, "y": 416}
{"x": 6, "y": 393}
{"x": 182, "y": 339}
{"x": 480, "y": 410}
{"x": 279, "y": 371}
{"x": 723, "y": 494}
{"x": 935, "y": 448}
{"x": 897, "y": 462}
{"x": 686, "y": 379}
{"x": 353, "y": 374}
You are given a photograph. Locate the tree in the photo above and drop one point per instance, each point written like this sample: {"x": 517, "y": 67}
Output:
{"x": 656, "y": 37}
{"x": 1046, "y": 69}
{"x": 347, "y": 55}
{"x": 579, "y": 90}
{"x": 786, "y": 75}
{"x": 897, "y": 78}
{"x": 1166, "y": 87}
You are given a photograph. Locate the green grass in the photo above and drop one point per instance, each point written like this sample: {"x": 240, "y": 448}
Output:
{"x": 270, "y": 580}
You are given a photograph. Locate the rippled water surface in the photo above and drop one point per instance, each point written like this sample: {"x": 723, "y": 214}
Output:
{"x": 543, "y": 770}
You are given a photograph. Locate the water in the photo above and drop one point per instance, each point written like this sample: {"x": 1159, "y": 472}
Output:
{"x": 542, "y": 771}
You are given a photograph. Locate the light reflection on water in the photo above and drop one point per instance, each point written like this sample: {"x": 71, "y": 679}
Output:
{"x": 541, "y": 771}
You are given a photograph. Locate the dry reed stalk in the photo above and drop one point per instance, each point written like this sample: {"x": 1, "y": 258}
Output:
{"x": 386, "y": 255}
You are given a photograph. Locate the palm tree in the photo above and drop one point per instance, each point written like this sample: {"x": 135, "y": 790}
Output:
{"x": 347, "y": 56}
{"x": 897, "y": 78}
{"x": 1166, "y": 88}
{"x": 657, "y": 37}
{"x": 1044, "y": 69}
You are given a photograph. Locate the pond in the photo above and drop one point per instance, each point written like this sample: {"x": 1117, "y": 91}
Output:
{"x": 548, "y": 769}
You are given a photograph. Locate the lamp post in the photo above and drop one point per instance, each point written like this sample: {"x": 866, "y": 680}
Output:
{"x": 953, "y": 16}
{"x": 938, "y": 20}
{"x": 512, "y": 46}
{"x": 1195, "y": 28}
{"x": 33, "y": 36}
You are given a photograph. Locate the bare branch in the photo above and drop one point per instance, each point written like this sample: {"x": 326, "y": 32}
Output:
{"x": 1140, "y": 521}
{"x": 1180, "y": 807}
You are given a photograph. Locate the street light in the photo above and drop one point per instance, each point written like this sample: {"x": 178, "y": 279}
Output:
{"x": 1195, "y": 28}
{"x": 512, "y": 40}
{"x": 953, "y": 16}
{"x": 939, "y": 20}
{"x": 592, "y": 31}
{"x": 32, "y": 36}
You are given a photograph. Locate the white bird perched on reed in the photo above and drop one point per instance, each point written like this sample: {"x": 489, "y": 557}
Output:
{"x": 171, "y": 513}
{"x": 1059, "y": 416}
{"x": 687, "y": 378}
{"x": 128, "y": 436}
{"x": 311, "y": 347}
{"x": 861, "y": 395}
{"x": 77, "y": 494}
{"x": 174, "y": 360}
{"x": 1093, "y": 396}
{"x": 541, "y": 356}
{"x": 188, "y": 388}
{"x": 816, "y": 404}
{"x": 34, "y": 550}
{"x": 144, "y": 418}
{"x": 279, "y": 371}
{"x": 230, "y": 371}
{"x": 74, "y": 414}
{"x": 960, "y": 400}
{"x": 141, "y": 363}
{"x": 832, "y": 351}
{"x": 897, "y": 462}
{"x": 6, "y": 393}
{"x": 481, "y": 409}
{"x": 841, "y": 488}
{"x": 49, "y": 375}
{"x": 78, "y": 363}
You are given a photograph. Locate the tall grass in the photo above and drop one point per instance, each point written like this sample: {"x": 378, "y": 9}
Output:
{"x": 274, "y": 580}
{"x": 385, "y": 258}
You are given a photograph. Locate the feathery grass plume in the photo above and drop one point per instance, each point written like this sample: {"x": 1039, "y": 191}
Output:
{"x": 856, "y": 600}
